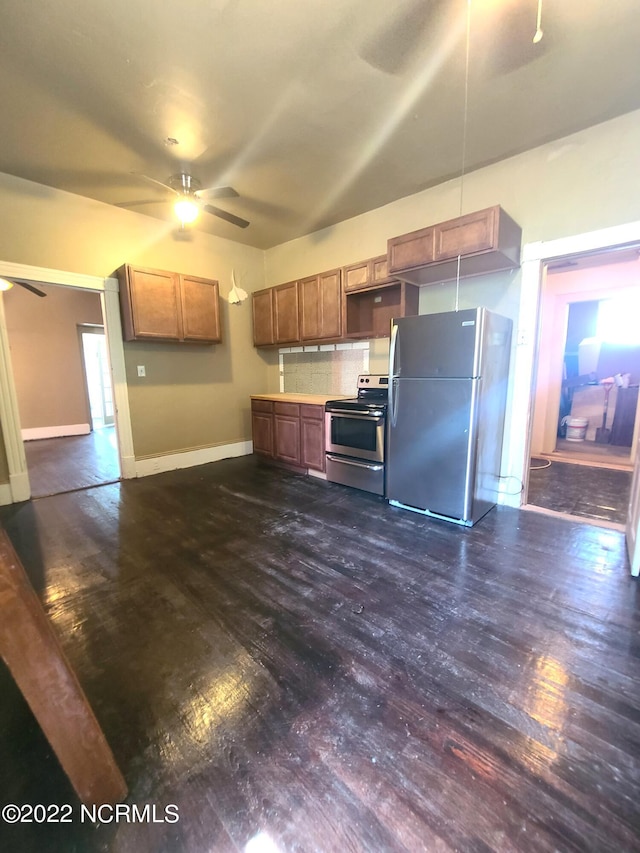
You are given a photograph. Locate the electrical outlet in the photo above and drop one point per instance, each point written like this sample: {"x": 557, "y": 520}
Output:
{"x": 141, "y": 370}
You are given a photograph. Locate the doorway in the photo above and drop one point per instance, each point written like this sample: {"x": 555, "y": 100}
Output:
{"x": 97, "y": 375}
{"x": 63, "y": 388}
{"x": 584, "y": 424}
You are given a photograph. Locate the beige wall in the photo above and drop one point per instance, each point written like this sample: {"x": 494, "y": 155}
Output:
{"x": 193, "y": 396}
{"x": 582, "y": 183}
{"x": 46, "y": 353}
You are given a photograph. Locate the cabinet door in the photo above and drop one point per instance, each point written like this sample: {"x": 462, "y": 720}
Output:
{"x": 287, "y": 438}
{"x": 285, "y": 313}
{"x": 466, "y": 235}
{"x": 262, "y": 318}
{"x": 200, "y": 309}
{"x": 310, "y": 308}
{"x": 150, "y": 301}
{"x": 330, "y": 304}
{"x": 312, "y": 452}
{"x": 356, "y": 276}
{"x": 410, "y": 250}
{"x": 379, "y": 269}
{"x": 262, "y": 432}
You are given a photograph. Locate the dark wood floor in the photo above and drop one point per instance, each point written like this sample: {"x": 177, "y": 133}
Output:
{"x": 75, "y": 462}
{"x": 601, "y": 494}
{"x": 300, "y": 667}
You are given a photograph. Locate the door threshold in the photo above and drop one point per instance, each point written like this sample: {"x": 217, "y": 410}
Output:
{"x": 611, "y": 463}
{"x": 581, "y": 519}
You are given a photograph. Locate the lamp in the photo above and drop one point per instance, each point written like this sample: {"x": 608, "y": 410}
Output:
{"x": 186, "y": 209}
{"x": 5, "y": 285}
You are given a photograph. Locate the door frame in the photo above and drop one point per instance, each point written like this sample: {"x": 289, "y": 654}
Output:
{"x": 535, "y": 256}
{"x": 19, "y": 488}
{"x": 89, "y": 329}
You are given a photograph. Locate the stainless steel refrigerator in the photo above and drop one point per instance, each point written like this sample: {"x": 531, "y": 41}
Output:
{"x": 448, "y": 377}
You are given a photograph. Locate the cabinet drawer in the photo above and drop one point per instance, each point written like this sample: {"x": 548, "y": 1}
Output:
{"x": 262, "y": 406}
{"x": 292, "y": 410}
{"x": 312, "y": 413}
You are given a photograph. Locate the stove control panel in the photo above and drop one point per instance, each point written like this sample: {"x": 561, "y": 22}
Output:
{"x": 376, "y": 380}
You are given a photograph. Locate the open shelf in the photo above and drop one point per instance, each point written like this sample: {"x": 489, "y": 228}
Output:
{"x": 368, "y": 313}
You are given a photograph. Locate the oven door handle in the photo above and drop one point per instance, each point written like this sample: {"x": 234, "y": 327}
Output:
{"x": 344, "y": 461}
{"x": 348, "y": 413}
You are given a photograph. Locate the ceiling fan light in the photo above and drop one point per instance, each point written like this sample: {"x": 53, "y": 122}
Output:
{"x": 186, "y": 209}
{"x": 5, "y": 285}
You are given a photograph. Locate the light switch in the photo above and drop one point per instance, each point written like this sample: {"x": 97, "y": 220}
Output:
{"x": 141, "y": 370}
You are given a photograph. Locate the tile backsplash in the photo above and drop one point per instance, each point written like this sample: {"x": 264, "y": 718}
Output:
{"x": 334, "y": 372}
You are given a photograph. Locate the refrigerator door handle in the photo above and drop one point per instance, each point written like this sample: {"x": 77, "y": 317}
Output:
{"x": 392, "y": 372}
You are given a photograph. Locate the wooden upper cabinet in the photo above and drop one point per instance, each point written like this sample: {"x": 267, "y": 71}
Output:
{"x": 285, "y": 313}
{"x": 200, "y": 309}
{"x": 150, "y": 303}
{"x": 331, "y": 304}
{"x": 320, "y": 306}
{"x": 263, "y": 329}
{"x": 167, "y": 306}
{"x": 364, "y": 274}
{"x": 410, "y": 250}
{"x": 486, "y": 241}
{"x": 466, "y": 235}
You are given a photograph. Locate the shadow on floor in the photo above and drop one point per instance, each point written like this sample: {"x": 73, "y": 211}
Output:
{"x": 598, "y": 493}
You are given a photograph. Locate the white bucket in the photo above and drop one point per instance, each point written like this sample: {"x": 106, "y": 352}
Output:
{"x": 577, "y": 429}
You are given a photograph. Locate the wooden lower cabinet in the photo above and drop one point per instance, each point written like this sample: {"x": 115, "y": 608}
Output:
{"x": 286, "y": 424}
{"x": 262, "y": 427}
{"x": 312, "y": 453}
{"x": 290, "y": 433}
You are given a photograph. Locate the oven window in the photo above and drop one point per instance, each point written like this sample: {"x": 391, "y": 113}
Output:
{"x": 360, "y": 434}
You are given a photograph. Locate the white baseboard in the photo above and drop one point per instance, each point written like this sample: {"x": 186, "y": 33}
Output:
{"x": 5, "y": 494}
{"x": 55, "y": 431}
{"x": 318, "y": 474}
{"x": 189, "y": 458}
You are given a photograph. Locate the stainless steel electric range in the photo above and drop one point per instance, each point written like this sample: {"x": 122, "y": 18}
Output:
{"x": 355, "y": 436}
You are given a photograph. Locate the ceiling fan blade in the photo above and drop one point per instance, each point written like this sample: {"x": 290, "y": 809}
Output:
{"x": 228, "y": 217}
{"x": 217, "y": 192}
{"x": 30, "y": 287}
{"x": 153, "y": 181}
{"x": 127, "y": 204}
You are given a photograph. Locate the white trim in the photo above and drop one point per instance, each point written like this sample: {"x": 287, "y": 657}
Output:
{"x": 113, "y": 331}
{"x": 35, "y": 433}
{"x": 319, "y": 475}
{"x": 9, "y": 417}
{"x": 6, "y": 496}
{"x": 44, "y": 275}
{"x": 535, "y": 255}
{"x": 189, "y": 458}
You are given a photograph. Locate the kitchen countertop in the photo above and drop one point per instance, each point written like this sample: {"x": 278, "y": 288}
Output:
{"x": 309, "y": 399}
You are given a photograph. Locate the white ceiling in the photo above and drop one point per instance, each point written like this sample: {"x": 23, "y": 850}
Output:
{"x": 313, "y": 110}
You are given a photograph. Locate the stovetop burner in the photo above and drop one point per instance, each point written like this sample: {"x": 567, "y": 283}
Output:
{"x": 372, "y": 394}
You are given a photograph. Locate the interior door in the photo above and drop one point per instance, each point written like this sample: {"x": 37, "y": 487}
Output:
{"x": 633, "y": 517}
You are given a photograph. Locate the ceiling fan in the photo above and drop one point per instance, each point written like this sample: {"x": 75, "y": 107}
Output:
{"x": 7, "y": 284}
{"x": 190, "y": 198}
